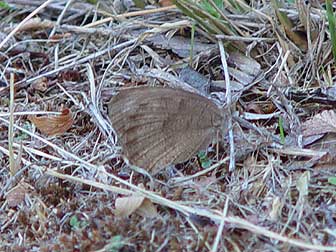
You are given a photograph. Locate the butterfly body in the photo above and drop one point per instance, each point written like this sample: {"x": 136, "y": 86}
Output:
{"x": 158, "y": 126}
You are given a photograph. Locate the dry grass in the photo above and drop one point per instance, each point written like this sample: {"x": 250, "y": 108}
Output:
{"x": 261, "y": 192}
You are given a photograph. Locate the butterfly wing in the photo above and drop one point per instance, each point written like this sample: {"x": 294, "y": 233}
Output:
{"x": 161, "y": 126}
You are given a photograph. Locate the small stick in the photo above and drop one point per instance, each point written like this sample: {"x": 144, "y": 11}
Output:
{"x": 10, "y": 127}
{"x": 229, "y": 100}
{"x": 11, "y": 34}
{"x": 221, "y": 227}
{"x": 129, "y": 14}
{"x": 178, "y": 180}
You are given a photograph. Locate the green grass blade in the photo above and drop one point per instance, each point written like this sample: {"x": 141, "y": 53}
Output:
{"x": 331, "y": 20}
{"x": 281, "y": 129}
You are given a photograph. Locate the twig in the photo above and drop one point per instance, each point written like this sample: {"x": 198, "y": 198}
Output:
{"x": 221, "y": 227}
{"x": 284, "y": 60}
{"x": 10, "y": 127}
{"x": 60, "y": 17}
{"x": 244, "y": 39}
{"x": 178, "y": 180}
{"x": 25, "y": 82}
{"x": 228, "y": 99}
{"x": 130, "y": 14}
{"x": 57, "y": 24}
{"x": 11, "y": 34}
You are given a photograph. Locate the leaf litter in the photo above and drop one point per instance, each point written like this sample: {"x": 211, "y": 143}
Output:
{"x": 281, "y": 194}
{"x": 53, "y": 125}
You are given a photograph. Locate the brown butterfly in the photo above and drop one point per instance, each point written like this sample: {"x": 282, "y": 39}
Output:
{"x": 159, "y": 126}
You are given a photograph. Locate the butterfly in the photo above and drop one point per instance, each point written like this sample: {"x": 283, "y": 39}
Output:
{"x": 159, "y": 126}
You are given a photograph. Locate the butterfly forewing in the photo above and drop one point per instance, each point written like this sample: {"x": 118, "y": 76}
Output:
{"x": 161, "y": 126}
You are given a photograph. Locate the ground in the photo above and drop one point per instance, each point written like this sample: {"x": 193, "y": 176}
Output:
{"x": 266, "y": 181}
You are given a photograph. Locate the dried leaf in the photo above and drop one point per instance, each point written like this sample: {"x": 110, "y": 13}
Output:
{"x": 165, "y": 3}
{"x": 322, "y": 123}
{"x": 245, "y": 64}
{"x": 69, "y": 75}
{"x": 36, "y": 24}
{"x": 303, "y": 183}
{"x": 181, "y": 45}
{"x": 17, "y": 194}
{"x": 58, "y": 37}
{"x": 40, "y": 84}
{"x": 254, "y": 108}
{"x": 147, "y": 209}
{"x": 241, "y": 76}
{"x": 135, "y": 203}
{"x": 195, "y": 79}
{"x": 101, "y": 174}
{"x": 53, "y": 125}
{"x": 299, "y": 38}
{"x": 128, "y": 205}
{"x": 304, "y": 9}
{"x": 18, "y": 159}
{"x": 276, "y": 209}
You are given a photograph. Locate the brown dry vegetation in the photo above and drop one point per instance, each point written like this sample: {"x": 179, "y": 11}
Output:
{"x": 59, "y": 193}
